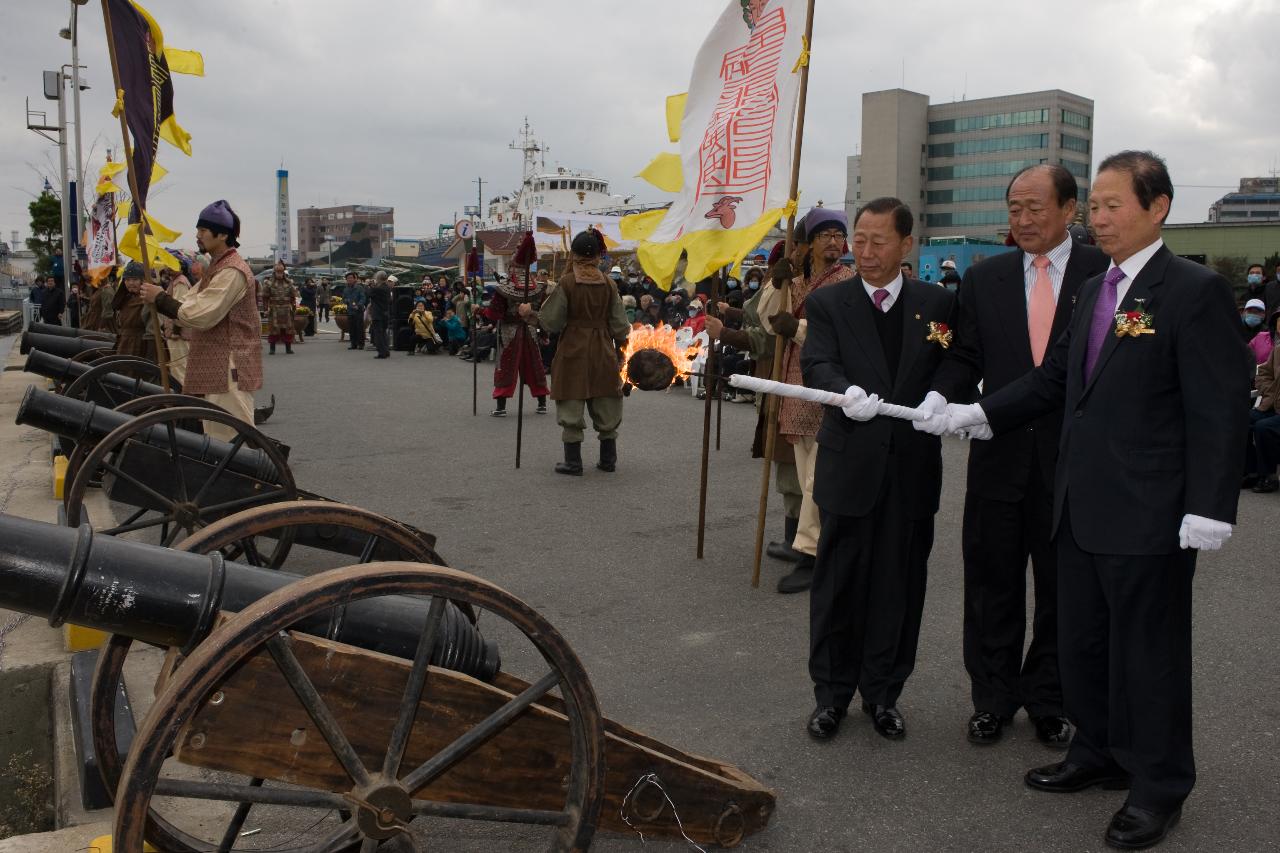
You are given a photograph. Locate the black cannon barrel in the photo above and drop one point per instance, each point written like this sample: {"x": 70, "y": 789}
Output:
{"x": 65, "y": 370}
{"x": 59, "y": 345}
{"x": 70, "y": 332}
{"x": 172, "y": 598}
{"x": 82, "y": 421}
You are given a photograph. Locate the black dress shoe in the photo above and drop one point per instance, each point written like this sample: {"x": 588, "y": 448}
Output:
{"x": 1068, "y": 778}
{"x": 986, "y": 728}
{"x": 824, "y": 722}
{"x": 783, "y": 551}
{"x": 887, "y": 721}
{"x": 800, "y": 578}
{"x": 1053, "y": 731}
{"x": 1266, "y": 485}
{"x": 1134, "y": 828}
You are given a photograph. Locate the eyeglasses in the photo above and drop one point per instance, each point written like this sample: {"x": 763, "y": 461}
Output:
{"x": 831, "y": 234}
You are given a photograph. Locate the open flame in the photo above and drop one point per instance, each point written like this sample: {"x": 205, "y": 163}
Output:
{"x": 663, "y": 340}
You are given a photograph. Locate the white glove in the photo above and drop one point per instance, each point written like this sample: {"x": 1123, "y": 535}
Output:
{"x": 961, "y": 418}
{"x": 936, "y": 405}
{"x": 1202, "y": 533}
{"x": 860, "y": 407}
{"x": 982, "y": 432}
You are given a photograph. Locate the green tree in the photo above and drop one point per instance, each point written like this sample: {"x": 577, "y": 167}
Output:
{"x": 1270, "y": 264}
{"x": 1231, "y": 268}
{"x": 46, "y": 230}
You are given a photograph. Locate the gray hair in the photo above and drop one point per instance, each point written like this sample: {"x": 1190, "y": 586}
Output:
{"x": 380, "y": 276}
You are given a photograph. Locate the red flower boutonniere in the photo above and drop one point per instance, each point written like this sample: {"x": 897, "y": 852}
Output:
{"x": 940, "y": 334}
{"x": 1134, "y": 323}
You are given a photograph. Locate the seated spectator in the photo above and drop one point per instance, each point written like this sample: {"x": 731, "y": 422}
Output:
{"x": 629, "y": 306}
{"x": 697, "y": 322}
{"x": 455, "y": 333}
{"x": 1263, "y": 453}
{"x": 1253, "y": 329}
{"x": 424, "y": 329}
{"x": 652, "y": 315}
{"x": 485, "y": 339}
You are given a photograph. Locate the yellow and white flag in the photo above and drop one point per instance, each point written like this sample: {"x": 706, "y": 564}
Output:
{"x": 734, "y": 166}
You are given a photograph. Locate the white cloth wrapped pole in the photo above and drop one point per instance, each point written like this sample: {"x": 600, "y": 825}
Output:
{"x": 813, "y": 395}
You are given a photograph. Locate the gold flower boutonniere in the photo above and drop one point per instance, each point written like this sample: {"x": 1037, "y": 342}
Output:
{"x": 1134, "y": 323}
{"x": 939, "y": 333}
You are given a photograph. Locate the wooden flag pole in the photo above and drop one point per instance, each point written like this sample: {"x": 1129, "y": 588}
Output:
{"x": 779, "y": 342}
{"x": 162, "y": 356}
{"x": 712, "y": 369}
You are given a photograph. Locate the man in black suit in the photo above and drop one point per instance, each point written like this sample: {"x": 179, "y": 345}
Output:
{"x": 1010, "y": 307}
{"x": 1153, "y": 376}
{"x": 876, "y": 480}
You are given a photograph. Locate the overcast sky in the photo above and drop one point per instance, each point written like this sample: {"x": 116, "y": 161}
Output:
{"x": 405, "y": 103}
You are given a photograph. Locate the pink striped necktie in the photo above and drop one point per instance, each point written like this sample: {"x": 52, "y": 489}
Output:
{"x": 1040, "y": 308}
{"x": 881, "y": 294}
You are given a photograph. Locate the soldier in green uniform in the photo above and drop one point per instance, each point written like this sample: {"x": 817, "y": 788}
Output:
{"x": 587, "y": 312}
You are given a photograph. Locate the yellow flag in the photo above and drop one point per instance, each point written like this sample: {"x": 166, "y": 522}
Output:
{"x": 174, "y": 134}
{"x": 157, "y": 172}
{"x": 184, "y": 61}
{"x": 157, "y": 256}
{"x": 675, "y": 114}
{"x": 665, "y": 172}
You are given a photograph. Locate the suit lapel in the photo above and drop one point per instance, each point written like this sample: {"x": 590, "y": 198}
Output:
{"x": 863, "y": 325}
{"x": 1010, "y": 295}
{"x": 1072, "y": 279}
{"x": 1151, "y": 277}
{"x": 913, "y": 334}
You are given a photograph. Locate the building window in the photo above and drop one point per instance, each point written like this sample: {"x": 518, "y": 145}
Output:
{"x": 1076, "y": 119}
{"x": 989, "y": 146}
{"x": 963, "y": 194}
{"x": 980, "y": 170}
{"x": 1080, "y": 170}
{"x": 968, "y": 218}
{"x": 971, "y": 123}
{"x": 1075, "y": 143}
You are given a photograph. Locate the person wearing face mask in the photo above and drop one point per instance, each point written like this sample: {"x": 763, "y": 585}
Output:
{"x": 697, "y": 322}
{"x": 950, "y": 278}
{"x": 1253, "y": 328}
{"x": 1257, "y": 286}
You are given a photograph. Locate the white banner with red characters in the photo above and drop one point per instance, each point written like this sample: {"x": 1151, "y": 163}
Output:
{"x": 101, "y": 237}
{"x": 735, "y": 143}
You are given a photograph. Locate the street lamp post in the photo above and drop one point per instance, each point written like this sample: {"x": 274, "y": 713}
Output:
{"x": 328, "y": 238}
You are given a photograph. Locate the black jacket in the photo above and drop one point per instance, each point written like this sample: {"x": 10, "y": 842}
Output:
{"x": 993, "y": 346}
{"x": 842, "y": 348}
{"x": 53, "y": 304}
{"x": 380, "y": 302}
{"x": 1159, "y": 430}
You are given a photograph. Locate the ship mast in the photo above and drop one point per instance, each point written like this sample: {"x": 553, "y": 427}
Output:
{"x": 535, "y": 161}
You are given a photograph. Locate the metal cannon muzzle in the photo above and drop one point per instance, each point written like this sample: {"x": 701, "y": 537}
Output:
{"x": 60, "y": 345}
{"x": 172, "y": 598}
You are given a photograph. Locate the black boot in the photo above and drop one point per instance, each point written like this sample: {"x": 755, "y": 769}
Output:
{"x": 572, "y": 463}
{"x": 542, "y": 405}
{"x": 783, "y": 550}
{"x": 801, "y": 577}
{"x": 288, "y": 347}
{"x": 608, "y": 455}
{"x": 273, "y": 349}
{"x": 501, "y": 410}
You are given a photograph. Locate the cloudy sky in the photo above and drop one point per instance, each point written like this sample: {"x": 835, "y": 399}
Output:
{"x": 405, "y": 103}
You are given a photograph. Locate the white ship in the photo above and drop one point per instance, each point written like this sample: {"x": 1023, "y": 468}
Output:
{"x": 558, "y": 190}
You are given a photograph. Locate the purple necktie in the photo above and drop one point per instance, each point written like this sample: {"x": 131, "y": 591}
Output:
{"x": 1104, "y": 319}
{"x": 879, "y": 297}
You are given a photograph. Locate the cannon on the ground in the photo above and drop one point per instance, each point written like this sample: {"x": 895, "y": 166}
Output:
{"x": 326, "y": 716}
{"x": 71, "y": 332}
{"x": 64, "y": 346}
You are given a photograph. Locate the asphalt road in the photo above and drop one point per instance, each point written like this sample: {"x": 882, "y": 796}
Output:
{"x": 685, "y": 650}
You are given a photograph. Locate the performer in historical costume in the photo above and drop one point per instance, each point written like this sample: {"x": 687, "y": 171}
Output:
{"x": 178, "y": 285}
{"x": 101, "y": 316}
{"x": 1011, "y": 307}
{"x": 587, "y": 312}
{"x": 518, "y": 339}
{"x": 752, "y": 339}
{"x": 224, "y": 364}
{"x": 280, "y": 299}
{"x": 132, "y": 315}
{"x": 815, "y": 264}
{"x": 1154, "y": 380}
{"x": 877, "y": 481}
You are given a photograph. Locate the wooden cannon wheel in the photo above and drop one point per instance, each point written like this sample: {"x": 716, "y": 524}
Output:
{"x": 136, "y": 406}
{"x": 88, "y": 385}
{"x": 88, "y": 356}
{"x": 234, "y": 536}
{"x": 192, "y": 507}
{"x": 380, "y": 794}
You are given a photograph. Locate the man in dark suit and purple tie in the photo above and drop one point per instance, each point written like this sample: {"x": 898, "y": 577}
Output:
{"x": 1011, "y": 307}
{"x": 1153, "y": 379}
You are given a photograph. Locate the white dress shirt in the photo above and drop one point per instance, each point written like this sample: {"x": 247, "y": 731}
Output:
{"x": 894, "y": 289}
{"x": 1132, "y": 267}
{"x": 1058, "y": 257}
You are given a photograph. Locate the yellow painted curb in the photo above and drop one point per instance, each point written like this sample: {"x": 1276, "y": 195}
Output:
{"x": 102, "y": 844}
{"x": 59, "y": 476}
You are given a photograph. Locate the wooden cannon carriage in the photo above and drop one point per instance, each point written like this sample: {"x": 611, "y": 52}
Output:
{"x": 358, "y": 695}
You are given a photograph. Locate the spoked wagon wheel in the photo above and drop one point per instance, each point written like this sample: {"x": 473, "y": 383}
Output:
{"x": 259, "y": 697}
{"x": 90, "y": 386}
{"x": 87, "y": 356}
{"x": 137, "y": 406}
{"x": 190, "y": 480}
{"x": 380, "y": 535}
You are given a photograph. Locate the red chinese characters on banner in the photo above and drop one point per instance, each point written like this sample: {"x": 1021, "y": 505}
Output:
{"x": 736, "y": 151}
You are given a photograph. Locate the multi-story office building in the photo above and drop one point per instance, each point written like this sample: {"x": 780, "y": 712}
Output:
{"x": 351, "y": 222}
{"x": 952, "y": 162}
{"x": 1258, "y": 200}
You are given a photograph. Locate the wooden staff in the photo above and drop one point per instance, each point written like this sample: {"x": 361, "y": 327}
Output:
{"x": 475, "y": 361}
{"x": 712, "y": 370}
{"x": 162, "y": 355}
{"x": 779, "y": 342}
